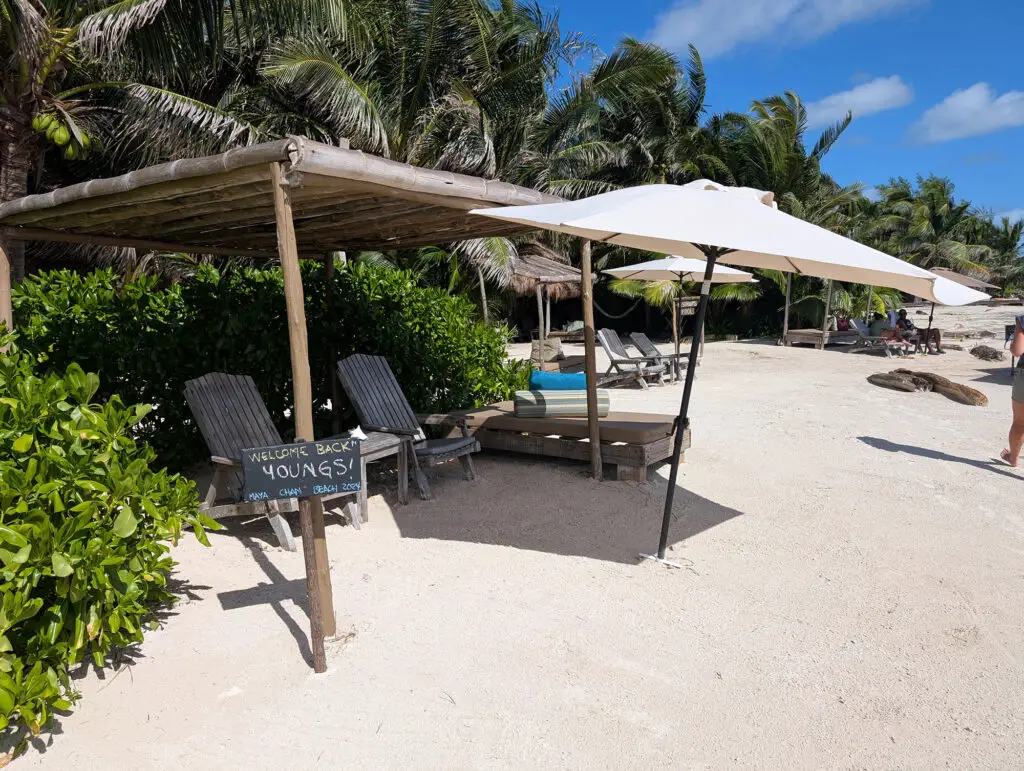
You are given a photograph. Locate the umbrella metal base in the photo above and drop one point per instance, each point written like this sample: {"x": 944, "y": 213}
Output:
{"x": 665, "y": 562}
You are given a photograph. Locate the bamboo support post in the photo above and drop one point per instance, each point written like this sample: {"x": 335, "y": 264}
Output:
{"x": 587, "y": 297}
{"x": 547, "y": 312}
{"x": 824, "y": 321}
{"x": 540, "y": 318}
{"x": 316, "y": 624}
{"x": 303, "y": 395}
{"x": 785, "y": 314}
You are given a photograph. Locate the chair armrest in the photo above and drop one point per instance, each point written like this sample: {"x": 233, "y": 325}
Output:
{"x": 227, "y": 464}
{"x": 444, "y": 420}
{"x": 385, "y": 430}
{"x": 441, "y": 419}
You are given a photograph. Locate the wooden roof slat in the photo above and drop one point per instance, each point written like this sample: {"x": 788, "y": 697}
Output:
{"x": 343, "y": 199}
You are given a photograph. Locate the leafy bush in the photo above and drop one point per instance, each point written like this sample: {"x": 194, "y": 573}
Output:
{"x": 84, "y": 528}
{"x": 146, "y": 341}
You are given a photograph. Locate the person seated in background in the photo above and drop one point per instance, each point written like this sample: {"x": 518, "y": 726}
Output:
{"x": 880, "y": 327}
{"x": 926, "y": 336}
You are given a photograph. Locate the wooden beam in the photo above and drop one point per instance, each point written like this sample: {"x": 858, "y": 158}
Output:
{"x": 593, "y": 421}
{"x": 6, "y": 311}
{"x": 301, "y": 386}
{"x": 60, "y": 236}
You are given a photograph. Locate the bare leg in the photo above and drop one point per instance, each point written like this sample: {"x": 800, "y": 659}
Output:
{"x": 937, "y": 337}
{"x": 1012, "y": 454}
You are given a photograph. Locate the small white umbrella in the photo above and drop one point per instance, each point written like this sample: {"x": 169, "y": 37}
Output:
{"x": 682, "y": 270}
{"x": 740, "y": 225}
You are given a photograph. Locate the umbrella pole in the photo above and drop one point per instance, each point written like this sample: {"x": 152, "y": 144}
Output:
{"x": 785, "y": 314}
{"x": 683, "y": 423}
{"x": 590, "y": 355}
{"x": 867, "y": 309}
{"x": 676, "y": 308}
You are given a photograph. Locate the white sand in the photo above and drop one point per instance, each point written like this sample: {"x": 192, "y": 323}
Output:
{"x": 854, "y": 599}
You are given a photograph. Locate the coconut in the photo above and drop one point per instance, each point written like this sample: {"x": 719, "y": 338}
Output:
{"x": 61, "y": 136}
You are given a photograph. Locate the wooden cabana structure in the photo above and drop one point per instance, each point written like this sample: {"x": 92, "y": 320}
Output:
{"x": 288, "y": 199}
{"x": 539, "y": 272}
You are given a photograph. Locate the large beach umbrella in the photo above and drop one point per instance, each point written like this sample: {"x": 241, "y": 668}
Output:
{"x": 739, "y": 225}
{"x": 682, "y": 270}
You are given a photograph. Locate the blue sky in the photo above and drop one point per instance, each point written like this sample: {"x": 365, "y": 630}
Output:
{"x": 936, "y": 86}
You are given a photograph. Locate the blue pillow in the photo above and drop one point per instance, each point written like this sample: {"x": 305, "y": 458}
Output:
{"x": 557, "y": 381}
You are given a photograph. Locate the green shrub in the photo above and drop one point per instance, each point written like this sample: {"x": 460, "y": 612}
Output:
{"x": 84, "y": 530}
{"x": 146, "y": 341}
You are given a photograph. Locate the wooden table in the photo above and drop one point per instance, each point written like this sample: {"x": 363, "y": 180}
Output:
{"x": 377, "y": 446}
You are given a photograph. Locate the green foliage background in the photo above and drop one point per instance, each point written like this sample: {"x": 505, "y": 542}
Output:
{"x": 145, "y": 340}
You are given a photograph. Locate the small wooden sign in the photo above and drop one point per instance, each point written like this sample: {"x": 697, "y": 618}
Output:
{"x": 688, "y": 306}
{"x": 302, "y": 470}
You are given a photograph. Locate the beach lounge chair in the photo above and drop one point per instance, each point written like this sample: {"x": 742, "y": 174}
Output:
{"x": 646, "y": 347}
{"x": 381, "y": 406}
{"x": 867, "y": 341}
{"x": 232, "y": 417}
{"x": 631, "y": 441}
{"x": 623, "y": 367}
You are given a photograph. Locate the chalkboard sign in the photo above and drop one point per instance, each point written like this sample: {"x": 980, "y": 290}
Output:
{"x": 301, "y": 470}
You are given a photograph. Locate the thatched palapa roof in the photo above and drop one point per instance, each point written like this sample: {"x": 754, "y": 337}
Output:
{"x": 537, "y": 264}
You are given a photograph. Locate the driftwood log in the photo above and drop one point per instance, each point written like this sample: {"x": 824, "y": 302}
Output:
{"x": 988, "y": 353}
{"x": 906, "y": 380}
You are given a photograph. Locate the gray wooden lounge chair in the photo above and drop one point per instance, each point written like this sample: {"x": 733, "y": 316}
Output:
{"x": 672, "y": 361}
{"x": 231, "y": 416}
{"x": 381, "y": 406}
{"x": 868, "y": 342}
{"x": 622, "y": 366}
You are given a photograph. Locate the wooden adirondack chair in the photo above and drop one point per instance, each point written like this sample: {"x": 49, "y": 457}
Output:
{"x": 381, "y": 406}
{"x": 646, "y": 347}
{"x": 622, "y": 366}
{"x": 231, "y": 416}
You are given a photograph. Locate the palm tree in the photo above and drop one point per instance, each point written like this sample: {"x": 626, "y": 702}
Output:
{"x": 928, "y": 226}
{"x": 77, "y": 75}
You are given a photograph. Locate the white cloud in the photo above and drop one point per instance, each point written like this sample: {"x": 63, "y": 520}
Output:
{"x": 970, "y": 112}
{"x": 1014, "y": 215}
{"x": 866, "y": 99}
{"x": 718, "y": 26}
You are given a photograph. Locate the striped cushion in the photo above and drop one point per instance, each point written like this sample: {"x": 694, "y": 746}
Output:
{"x": 554, "y": 404}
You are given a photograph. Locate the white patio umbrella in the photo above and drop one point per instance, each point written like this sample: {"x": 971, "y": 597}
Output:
{"x": 743, "y": 227}
{"x": 682, "y": 270}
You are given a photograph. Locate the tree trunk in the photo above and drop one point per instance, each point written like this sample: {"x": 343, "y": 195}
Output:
{"x": 15, "y": 162}
{"x": 483, "y": 293}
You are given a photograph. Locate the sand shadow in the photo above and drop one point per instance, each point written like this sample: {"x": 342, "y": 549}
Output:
{"x": 610, "y": 521}
{"x": 922, "y": 452}
{"x": 279, "y": 591}
{"x": 1001, "y": 375}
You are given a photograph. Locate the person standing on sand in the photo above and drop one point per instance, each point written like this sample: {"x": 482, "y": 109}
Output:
{"x": 1012, "y": 453}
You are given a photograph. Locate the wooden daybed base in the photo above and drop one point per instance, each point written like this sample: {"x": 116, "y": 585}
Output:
{"x": 631, "y": 441}
{"x": 820, "y": 339}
